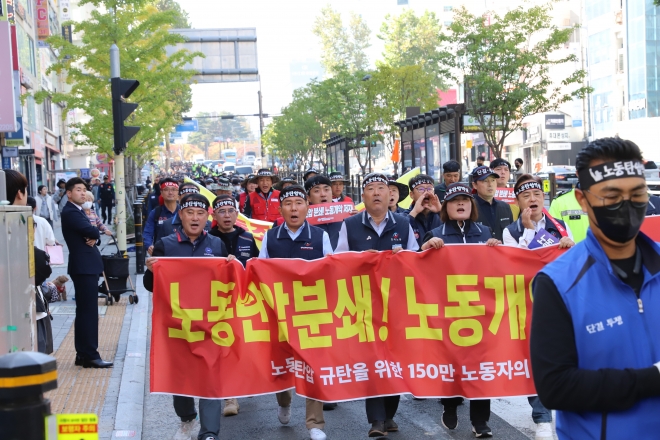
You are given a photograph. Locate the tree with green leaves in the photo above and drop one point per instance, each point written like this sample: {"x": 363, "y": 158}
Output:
{"x": 343, "y": 46}
{"x": 505, "y": 62}
{"x": 215, "y": 129}
{"x": 140, "y": 31}
{"x": 182, "y": 17}
{"x": 412, "y": 40}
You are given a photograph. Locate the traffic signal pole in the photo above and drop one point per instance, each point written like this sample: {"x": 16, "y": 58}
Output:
{"x": 121, "y": 89}
{"x": 120, "y": 175}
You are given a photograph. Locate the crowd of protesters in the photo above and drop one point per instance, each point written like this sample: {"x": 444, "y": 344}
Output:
{"x": 601, "y": 386}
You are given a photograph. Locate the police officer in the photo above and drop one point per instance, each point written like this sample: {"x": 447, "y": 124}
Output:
{"x": 423, "y": 212}
{"x": 296, "y": 238}
{"x": 459, "y": 216}
{"x": 398, "y": 193}
{"x": 319, "y": 191}
{"x": 594, "y": 342}
{"x": 492, "y": 212}
{"x": 107, "y": 198}
{"x": 338, "y": 183}
{"x": 263, "y": 203}
{"x": 169, "y": 190}
{"x": 451, "y": 173}
{"x": 377, "y": 229}
{"x": 191, "y": 241}
{"x": 567, "y": 208}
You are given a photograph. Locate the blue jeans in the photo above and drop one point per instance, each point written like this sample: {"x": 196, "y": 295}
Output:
{"x": 540, "y": 414}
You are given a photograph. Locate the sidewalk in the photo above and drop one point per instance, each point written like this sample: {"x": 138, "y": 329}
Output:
{"x": 101, "y": 391}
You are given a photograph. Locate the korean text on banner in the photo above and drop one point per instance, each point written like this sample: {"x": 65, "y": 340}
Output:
{"x": 329, "y": 212}
{"x": 347, "y": 326}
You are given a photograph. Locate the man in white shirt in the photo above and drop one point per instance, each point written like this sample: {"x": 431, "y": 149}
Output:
{"x": 43, "y": 232}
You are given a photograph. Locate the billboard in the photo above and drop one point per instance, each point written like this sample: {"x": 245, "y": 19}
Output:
{"x": 189, "y": 125}
{"x": 555, "y": 122}
{"x": 7, "y": 100}
{"x": 470, "y": 124}
{"x": 15, "y": 138}
{"x": 43, "y": 27}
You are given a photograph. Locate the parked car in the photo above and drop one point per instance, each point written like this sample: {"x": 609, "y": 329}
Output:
{"x": 229, "y": 167}
{"x": 249, "y": 159}
{"x": 243, "y": 169}
{"x": 564, "y": 175}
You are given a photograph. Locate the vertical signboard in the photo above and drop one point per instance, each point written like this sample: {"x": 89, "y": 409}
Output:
{"x": 43, "y": 28}
{"x": 3, "y": 10}
{"x": 7, "y": 101}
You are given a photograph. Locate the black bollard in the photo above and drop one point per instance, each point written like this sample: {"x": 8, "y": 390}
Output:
{"x": 24, "y": 378}
{"x": 139, "y": 245}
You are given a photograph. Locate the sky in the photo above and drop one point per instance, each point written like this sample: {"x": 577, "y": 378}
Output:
{"x": 284, "y": 36}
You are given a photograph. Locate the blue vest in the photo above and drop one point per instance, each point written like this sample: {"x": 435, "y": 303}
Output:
{"x": 516, "y": 229}
{"x": 179, "y": 245}
{"x": 594, "y": 294}
{"x": 241, "y": 246}
{"x": 308, "y": 245}
{"x": 451, "y": 233}
{"x": 362, "y": 236}
{"x": 170, "y": 226}
{"x": 422, "y": 224}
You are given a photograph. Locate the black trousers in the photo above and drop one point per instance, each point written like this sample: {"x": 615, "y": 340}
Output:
{"x": 106, "y": 206}
{"x": 86, "y": 325}
{"x": 210, "y": 413}
{"x": 380, "y": 409}
{"x": 479, "y": 409}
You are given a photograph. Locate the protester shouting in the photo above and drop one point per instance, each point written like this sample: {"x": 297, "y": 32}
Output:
{"x": 296, "y": 238}
{"x": 338, "y": 182}
{"x": 263, "y": 203}
{"x": 191, "y": 240}
{"x": 425, "y": 206}
{"x": 237, "y": 240}
{"x": 168, "y": 206}
{"x": 319, "y": 190}
{"x": 594, "y": 342}
{"x": 398, "y": 193}
{"x": 377, "y": 229}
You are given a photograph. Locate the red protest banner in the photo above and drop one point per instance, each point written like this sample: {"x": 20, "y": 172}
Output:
{"x": 506, "y": 195}
{"x": 347, "y": 326}
{"x": 329, "y": 212}
{"x": 651, "y": 227}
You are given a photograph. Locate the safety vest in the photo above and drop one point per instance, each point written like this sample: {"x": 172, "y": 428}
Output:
{"x": 567, "y": 208}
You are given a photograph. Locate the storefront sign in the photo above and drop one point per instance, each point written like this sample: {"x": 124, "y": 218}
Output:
{"x": 637, "y": 104}
{"x": 471, "y": 124}
{"x": 555, "y": 122}
{"x": 553, "y": 146}
{"x": 7, "y": 101}
{"x": 43, "y": 26}
{"x": 10, "y": 152}
{"x": 25, "y": 152}
{"x": 15, "y": 139}
{"x": 65, "y": 11}
{"x": 554, "y": 136}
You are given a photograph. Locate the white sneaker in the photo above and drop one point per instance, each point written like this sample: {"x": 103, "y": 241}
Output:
{"x": 316, "y": 434}
{"x": 543, "y": 431}
{"x": 187, "y": 430}
{"x": 284, "y": 414}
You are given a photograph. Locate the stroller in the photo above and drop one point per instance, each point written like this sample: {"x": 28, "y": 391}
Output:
{"x": 115, "y": 274}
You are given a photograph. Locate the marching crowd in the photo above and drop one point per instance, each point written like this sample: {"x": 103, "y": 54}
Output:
{"x": 607, "y": 394}
{"x": 603, "y": 384}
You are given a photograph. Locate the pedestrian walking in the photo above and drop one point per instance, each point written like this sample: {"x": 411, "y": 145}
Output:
{"x": 296, "y": 238}
{"x": 191, "y": 240}
{"x": 459, "y": 216}
{"x": 377, "y": 229}
{"x": 594, "y": 343}
{"x": 45, "y": 208}
{"x": 85, "y": 266}
{"x": 107, "y": 199}
{"x": 248, "y": 186}
{"x": 60, "y": 198}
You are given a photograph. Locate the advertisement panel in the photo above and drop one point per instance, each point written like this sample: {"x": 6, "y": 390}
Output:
{"x": 555, "y": 122}
{"x": 43, "y": 28}
{"x": 7, "y": 102}
{"x": 15, "y": 139}
{"x": 471, "y": 124}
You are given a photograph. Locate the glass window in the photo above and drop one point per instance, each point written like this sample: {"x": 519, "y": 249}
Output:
{"x": 48, "y": 113}
{"x": 596, "y": 8}
{"x": 26, "y": 51}
{"x": 600, "y": 47}
{"x": 407, "y": 156}
{"x": 433, "y": 157}
{"x": 420, "y": 155}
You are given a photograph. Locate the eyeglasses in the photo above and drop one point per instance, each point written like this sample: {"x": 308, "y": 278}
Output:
{"x": 222, "y": 212}
{"x": 424, "y": 190}
{"x": 638, "y": 200}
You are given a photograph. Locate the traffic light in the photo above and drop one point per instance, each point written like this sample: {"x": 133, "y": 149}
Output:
{"x": 122, "y": 89}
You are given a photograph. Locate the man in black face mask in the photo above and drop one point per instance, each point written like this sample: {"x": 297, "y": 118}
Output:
{"x": 595, "y": 348}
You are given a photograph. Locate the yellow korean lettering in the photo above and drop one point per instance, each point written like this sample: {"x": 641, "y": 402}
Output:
{"x": 250, "y": 305}
{"x": 515, "y": 295}
{"x": 464, "y": 310}
{"x": 310, "y": 298}
{"x": 187, "y": 316}
{"x": 314, "y": 322}
{"x": 423, "y": 311}
{"x": 361, "y": 309}
{"x": 497, "y": 285}
{"x": 222, "y": 313}
{"x": 282, "y": 300}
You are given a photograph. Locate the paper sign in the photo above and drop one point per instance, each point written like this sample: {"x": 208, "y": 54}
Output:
{"x": 72, "y": 427}
{"x": 329, "y": 212}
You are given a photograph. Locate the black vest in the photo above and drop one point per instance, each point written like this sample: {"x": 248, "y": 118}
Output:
{"x": 333, "y": 232}
{"x": 503, "y": 218}
{"x": 362, "y": 236}
{"x": 516, "y": 229}
{"x": 239, "y": 244}
{"x": 451, "y": 233}
{"x": 308, "y": 245}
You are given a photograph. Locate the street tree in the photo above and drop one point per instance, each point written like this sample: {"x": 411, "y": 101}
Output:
{"x": 140, "y": 31}
{"x": 181, "y": 21}
{"x": 513, "y": 66}
{"x": 343, "y": 45}
{"x": 412, "y": 40}
{"x": 214, "y": 129}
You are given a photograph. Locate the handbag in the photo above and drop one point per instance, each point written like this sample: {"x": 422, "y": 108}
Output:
{"x": 56, "y": 254}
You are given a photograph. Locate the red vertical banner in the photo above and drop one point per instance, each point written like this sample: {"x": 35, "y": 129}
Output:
{"x": 350, "y": 325}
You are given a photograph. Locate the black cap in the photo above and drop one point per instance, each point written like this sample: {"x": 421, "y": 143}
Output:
{"x": 482, "y": 173}
{"x": 457, "y": 189}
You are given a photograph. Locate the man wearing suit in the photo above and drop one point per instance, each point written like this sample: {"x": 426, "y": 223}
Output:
{"x": 85, "y": 265}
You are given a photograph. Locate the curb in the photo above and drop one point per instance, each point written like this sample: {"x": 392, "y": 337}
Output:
{"x": 130, "y": 401}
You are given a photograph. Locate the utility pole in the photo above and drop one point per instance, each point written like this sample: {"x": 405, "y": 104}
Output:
{"x": 167, "y": 152}
{"x": 120, "y": 176}
{"x": 261, "y": 129}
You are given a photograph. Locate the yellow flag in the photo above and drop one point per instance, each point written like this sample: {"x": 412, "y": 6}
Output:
{"x": 405, "y": 203}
